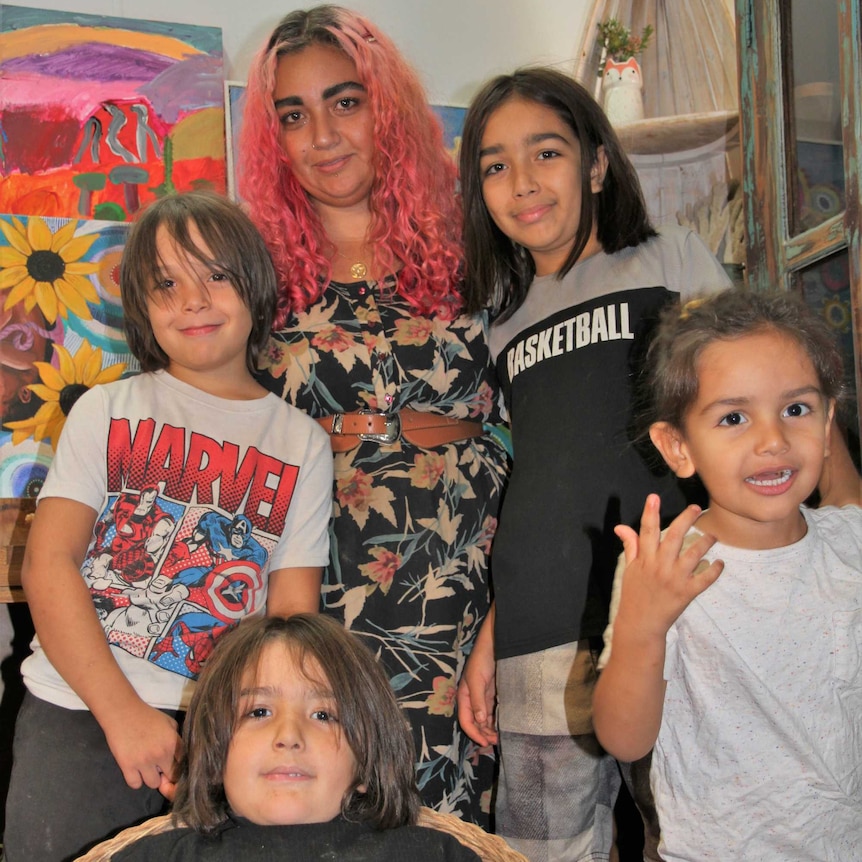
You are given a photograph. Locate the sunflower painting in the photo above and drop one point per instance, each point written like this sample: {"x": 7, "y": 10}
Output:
{"x": 60, "y": 334}
{"x": 44, "y": 268}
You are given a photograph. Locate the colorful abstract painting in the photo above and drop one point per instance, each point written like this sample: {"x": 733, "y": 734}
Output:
{"x": 233, "y": 100}
{"x": 60, "y": 334}
{"x": 453, "y": 125}
{"x": 99, "y": 115}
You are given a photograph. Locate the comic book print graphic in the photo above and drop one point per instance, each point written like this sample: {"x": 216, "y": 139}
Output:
{"x": 167, "y": 578}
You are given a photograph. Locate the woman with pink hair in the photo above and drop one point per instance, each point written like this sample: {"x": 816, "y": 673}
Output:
{"x": 345, "y": 173}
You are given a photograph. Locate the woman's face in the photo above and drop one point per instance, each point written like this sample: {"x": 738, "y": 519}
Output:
{"x": 325, "y": 126}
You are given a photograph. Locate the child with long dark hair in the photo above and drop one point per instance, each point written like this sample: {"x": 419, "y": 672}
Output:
{"x": 559, "y": 246}
{"x": 296, "y": 748}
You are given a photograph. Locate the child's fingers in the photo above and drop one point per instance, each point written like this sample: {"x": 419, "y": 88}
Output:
{"x": 475, "y": 722}
{"x": 629, "y": 538}
{"x": 704, "y": 576}
{"x": 683, "y": 522}
{"x": 151, "y": 776}
{"x": 675, "y": 535}
{"x": 133, "y": 777}
{"x": 648, "y": 540}
{"x": 178, "y": 756}
{"x": 151, "y": 767}
{"x": 472, "y": 723}
{"x": 708, "y": 577}
{"x": 490, "y": 734}
{"x": 163, "y": 771}
{"x": 650, "y": 530}
{"x": 167, "y": 788}
{"x": 696, "y": 550}
{"x": 701, "y": 573}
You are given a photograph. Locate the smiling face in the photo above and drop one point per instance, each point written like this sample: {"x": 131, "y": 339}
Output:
{"x": 326, "y": 128}
{"x": 756, "y": 435}
{"x": 288, "y": 761}
{"x": 199, "y": 319}
{"x": 530, "y": 163}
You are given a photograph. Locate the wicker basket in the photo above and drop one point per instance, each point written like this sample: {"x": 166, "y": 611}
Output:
{"x": 490, "y": 848}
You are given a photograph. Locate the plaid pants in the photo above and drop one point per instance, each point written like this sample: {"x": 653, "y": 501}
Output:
{"x": 557, "y": 786}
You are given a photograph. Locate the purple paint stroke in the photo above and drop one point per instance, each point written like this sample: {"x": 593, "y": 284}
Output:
{"x": 92, "y": 61}
{"x": 188, "y": 86}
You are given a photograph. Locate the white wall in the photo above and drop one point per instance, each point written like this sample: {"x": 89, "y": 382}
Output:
{"x": 455, "y": 44}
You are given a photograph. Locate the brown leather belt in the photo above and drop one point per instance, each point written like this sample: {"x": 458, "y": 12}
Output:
{"x": 347, "y": 430}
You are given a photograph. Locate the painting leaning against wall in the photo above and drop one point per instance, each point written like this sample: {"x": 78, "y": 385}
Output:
{"x": 60, "y": 334}
{"x": 99, "y": 115}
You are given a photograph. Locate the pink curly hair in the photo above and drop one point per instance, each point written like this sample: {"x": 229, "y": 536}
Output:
{"x": 416, "y": 214}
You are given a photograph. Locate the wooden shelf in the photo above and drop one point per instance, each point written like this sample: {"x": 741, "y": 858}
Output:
{"x": 657, "y": 135}
{"x": 15, "y": 517}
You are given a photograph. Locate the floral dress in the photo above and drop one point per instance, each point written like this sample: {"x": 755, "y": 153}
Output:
{"x": 412, "y": 527}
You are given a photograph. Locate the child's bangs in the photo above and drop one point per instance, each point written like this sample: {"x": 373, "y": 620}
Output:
{"x": 301, "y": 657}
{"x": 179, "y": 235}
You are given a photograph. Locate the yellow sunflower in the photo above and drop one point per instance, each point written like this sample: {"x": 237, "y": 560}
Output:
{"x": 60, "y": 389}
{"x": 45, "y": 269}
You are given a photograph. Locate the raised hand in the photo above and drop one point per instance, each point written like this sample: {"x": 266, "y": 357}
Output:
{"x": 663, "y": 574}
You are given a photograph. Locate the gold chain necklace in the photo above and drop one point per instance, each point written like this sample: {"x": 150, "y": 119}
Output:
{"x": 358, "y": 269}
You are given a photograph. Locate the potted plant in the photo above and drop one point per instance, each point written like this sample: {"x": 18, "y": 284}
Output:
{"x": 618, "y": 42}
{"x": 620, "y": 71}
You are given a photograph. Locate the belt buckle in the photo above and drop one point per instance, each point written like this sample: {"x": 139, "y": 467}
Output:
{"x": 393, "y": 427}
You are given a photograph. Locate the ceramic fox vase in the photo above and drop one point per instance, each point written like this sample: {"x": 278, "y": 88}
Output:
{"x": 622, "y": 96}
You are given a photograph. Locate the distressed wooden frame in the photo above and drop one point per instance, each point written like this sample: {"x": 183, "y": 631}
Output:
{"x": 773, "y": 254}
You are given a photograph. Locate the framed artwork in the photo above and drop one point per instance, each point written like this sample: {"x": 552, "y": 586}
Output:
{"x": 453, "y": 124}
{"x": 233, "y": 96}
{"x": 99, "y": 115}
{"x": 60, "y": 334}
